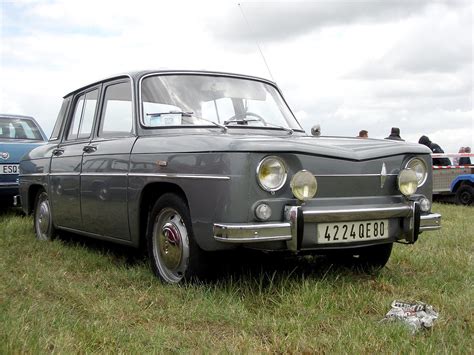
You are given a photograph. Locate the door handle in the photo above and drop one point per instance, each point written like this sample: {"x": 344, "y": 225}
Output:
{"x": 89, "y": 149}
{"x": 58, "y": 151}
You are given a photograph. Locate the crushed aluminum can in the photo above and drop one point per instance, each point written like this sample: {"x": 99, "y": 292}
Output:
{"x": 416, "y": 315}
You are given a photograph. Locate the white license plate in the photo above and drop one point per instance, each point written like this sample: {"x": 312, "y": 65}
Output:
{"x": 350, "y": 232}
{"x": 9, "y": 169}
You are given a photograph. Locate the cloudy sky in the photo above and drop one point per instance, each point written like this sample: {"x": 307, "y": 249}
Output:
{"x": 347, "y": 65}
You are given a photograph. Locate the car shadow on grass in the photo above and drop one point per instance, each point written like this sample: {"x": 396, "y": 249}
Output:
{"x": 237, "y": 265}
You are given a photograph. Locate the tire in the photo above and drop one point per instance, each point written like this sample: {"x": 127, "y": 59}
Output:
{"x": 371, "y": 258}
{"x": 173, "y": 253}
{"x": 465, "y": 195}
{"x": 43, "y": 219}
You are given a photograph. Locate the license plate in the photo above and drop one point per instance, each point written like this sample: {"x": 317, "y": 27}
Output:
{"x": 9, "y": 169}
{"x": 349, "y": 232}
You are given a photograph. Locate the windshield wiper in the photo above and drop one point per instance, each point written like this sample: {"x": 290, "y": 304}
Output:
{"x": 187, "y": 114}
{"x": 245, "y": 120}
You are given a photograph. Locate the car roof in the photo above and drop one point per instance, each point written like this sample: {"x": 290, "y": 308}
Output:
{"x": 136, "y": 75}
{"x": 7, "y": 115}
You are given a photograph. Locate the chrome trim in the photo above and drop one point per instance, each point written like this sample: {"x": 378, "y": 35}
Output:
{"x": 250, "y": 233}
{"x": 17, "y": 201}
{"x": 352, "y": 175}
{"x": 430, "y": 222}
{"x": 34, "y": 174}
{"x": 181, "y": 176}
{"x": 284, "y": 180}
{"x": 65, "y": 174}
{"x": 104, "y": 174}
{"x": 357, "y": 213}
{"x": 383, "y": 175}
{"x": 7, "y": 184}
{"x": 291, "y": 215}
{"x": 426, "y": 169}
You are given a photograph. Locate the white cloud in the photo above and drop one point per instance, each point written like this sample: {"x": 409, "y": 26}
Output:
{"x": 365, "y": 65}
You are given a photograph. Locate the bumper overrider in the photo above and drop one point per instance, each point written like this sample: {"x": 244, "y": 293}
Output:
{"x": 410, "y": 222}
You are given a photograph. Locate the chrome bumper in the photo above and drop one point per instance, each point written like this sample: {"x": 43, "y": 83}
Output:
{"x": 430, "y": 222}
{"x": 295, "y": 215}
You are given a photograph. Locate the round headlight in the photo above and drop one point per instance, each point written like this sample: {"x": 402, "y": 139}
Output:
{"x": 407, "y": 182}
{"x": 271, "y": 173}
{"x": 419, "y": 167}
{"x": 304, "y": 185}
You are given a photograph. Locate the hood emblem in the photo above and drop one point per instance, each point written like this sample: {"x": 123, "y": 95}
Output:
{"x": 383, "y": 175}
{"x": 5, "y": 155}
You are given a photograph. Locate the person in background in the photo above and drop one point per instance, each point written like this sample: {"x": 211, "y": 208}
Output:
{"x": 456, "y": 159}
{"x": 395, "y": 134}
{"x": 465, "y": 160}
{"x": 363, "y": 134}
{"x": 435, "y": 148}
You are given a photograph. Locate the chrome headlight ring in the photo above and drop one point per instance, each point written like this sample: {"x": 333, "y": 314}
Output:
{"x": 420, "y": 169}
{"x": 271, "y": 173}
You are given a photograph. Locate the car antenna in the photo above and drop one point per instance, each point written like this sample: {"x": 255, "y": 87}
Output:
{"x": 256, "y": 42}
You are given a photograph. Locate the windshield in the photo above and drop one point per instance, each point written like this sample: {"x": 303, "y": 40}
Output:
{"x": 17, "y": 128}
{"x": 199, "y": 100}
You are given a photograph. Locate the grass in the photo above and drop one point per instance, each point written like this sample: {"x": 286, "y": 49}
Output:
{"x": 76, "y": 295}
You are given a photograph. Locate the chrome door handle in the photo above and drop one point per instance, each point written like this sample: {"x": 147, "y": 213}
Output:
{"x": 89, "y": 149}
{"x": 58, "y": 151}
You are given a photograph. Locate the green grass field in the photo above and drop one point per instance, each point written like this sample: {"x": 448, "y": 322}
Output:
{"x": 75, "y": 295}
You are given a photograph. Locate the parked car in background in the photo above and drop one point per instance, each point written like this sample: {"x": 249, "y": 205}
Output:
{"x": 454, "y": 182}
{"x": 18, "y": 135}
{"x": 190, "y": 163}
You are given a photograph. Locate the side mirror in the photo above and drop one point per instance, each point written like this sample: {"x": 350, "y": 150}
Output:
{"x": 316, "y": 130}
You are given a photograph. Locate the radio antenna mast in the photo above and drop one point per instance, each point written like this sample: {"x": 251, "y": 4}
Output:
{"x": 256, "y": 42}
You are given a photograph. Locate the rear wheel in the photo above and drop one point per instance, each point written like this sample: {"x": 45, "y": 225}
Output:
{"x": 465, "y": 195}
{"x": 43, "y": 219}
{"x": 369, "y": 258}
{"x": 174, "y": 255}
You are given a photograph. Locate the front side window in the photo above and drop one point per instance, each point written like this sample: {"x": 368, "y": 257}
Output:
{"x": 194, "y": 100}
{"x": 83, "y": 117}
{"x": 117, "y": 120}
{"x": 59, "y": 120}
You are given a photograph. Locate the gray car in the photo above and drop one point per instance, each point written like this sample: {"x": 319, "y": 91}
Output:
{"x": 189, "y": 163}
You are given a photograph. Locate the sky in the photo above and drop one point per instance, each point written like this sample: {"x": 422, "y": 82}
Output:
{"x": 346, "y": 65}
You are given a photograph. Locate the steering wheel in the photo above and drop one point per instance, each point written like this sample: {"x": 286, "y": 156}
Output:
{"x": 236, "y": 117}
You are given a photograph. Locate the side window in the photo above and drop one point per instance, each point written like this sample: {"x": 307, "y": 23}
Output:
{"x": 117, "y": 119}
{"x": 88, "y": 114}
{"x": 59, "y": 120}
{"x": 81, "y": 125}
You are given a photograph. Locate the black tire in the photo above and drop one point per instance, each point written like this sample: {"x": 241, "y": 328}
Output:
{"x": 465, "y": 195}
{"x": 173, "y": 253}
{"x": 371, "y": 258}
{"x": 43, "y": 219}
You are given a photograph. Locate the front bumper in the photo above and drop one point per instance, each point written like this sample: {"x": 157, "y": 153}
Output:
{"x": 291, "y": 230}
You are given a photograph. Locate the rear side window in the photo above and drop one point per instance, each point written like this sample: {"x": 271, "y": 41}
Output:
{"x": 59, "y": 120}
{"x": 19, "y": 128}
{"x": 117, "y": 119}
{"x": 83, "y": 116}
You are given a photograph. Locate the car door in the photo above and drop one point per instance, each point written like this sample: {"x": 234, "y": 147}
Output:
{"x": 66, "y": 160}
{"x": 104, "y": 178}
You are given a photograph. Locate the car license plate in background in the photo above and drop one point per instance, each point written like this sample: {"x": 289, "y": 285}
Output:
{"x": 347, "y": 232}
{"x": 9, "y": 169}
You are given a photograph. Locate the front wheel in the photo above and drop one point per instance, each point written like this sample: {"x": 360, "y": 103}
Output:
{"x": 43, "y": 219}
{"x": 174, "y": 255}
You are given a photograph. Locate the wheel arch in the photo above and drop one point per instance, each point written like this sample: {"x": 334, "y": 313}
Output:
{"x": 148, "y": 197}
{"x": 33, "y": 192}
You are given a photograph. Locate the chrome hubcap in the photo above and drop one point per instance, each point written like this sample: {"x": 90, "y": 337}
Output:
{"x": 43, "y": 220}
{"x": 170, "y": 245}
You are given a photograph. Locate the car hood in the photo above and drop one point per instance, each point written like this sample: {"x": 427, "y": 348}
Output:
{"x": 15, "y": 150}
{"x": 337, "y": 147}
